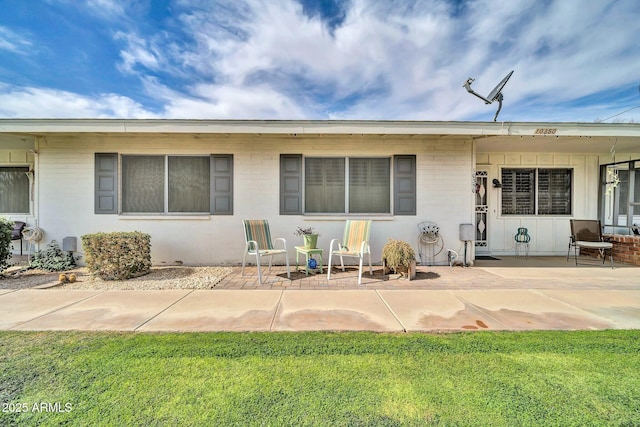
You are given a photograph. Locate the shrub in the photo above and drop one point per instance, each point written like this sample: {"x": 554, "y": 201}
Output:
{"x": 397, "y": 253}
{"x": 6, "y": 227}
{"x": 52, "y": 258}
{"x": 119, "y": 255}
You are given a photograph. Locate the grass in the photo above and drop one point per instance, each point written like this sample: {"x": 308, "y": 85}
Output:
{"x": 476, "y": 379}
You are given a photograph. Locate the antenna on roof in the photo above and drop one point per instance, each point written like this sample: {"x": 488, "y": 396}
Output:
{"x": 494, "y": 95}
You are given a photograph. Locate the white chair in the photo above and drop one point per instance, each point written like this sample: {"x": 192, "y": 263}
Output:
{"x": 259, "y": 244}
{"x": 354, "y": 244}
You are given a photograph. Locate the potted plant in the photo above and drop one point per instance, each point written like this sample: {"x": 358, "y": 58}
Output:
{"x": 310, "y": 237}
{"x": 399, "y": 256}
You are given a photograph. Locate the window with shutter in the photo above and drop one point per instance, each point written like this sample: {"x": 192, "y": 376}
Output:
{"x": 359, "y": 185}
{"x": 536, "y": 191}
{"x": 166, "y": 184}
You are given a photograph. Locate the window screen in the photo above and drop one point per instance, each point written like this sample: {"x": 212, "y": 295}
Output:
{"x": 143, "y": 184}
{"x": 325, "y": 185}
{"x": 14, "y": 190}
{"x": 369, "y": 185}
{"x": 189, "y": 179}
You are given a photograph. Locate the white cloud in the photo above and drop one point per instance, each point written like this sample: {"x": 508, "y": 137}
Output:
{"x": 13, "y": 42}
{"x": 29, "y": 102}
{"x": 396, "y": 59}
{"x": 138, "y": 51}
{"x": 107, "y": 9}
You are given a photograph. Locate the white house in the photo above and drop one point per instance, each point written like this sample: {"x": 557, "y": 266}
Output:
{"x": 190, "y": 183}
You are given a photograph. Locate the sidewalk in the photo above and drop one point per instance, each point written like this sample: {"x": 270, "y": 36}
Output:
{"x": 507, "y": 295}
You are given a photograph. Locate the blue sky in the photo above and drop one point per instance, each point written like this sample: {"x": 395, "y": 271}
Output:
{"x": 574, "y": 60}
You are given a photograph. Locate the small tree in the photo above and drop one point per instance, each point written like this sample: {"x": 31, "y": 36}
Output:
{"x": 6, "y": 227}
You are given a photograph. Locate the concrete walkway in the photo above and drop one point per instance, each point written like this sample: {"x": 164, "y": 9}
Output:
{"x": 507, "y": 295}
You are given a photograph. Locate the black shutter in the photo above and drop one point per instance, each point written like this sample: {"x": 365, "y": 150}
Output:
{"x": 290, "y": 184}
{"x": 106, "y": 183}
{"x": 222, "y": 184}
{"x": 404, "y": 185}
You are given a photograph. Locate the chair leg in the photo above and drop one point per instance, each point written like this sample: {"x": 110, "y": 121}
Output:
{"x": 286, "y": 258}
{"x": 360, "y": 270}
{"x": 342, "y": 262}
{"x": 370, "y": 265}
{"x": 259, "y": 272}
{"x": 611, "y": 257}
{"x": 575, "y": 251}
{"x": 244, "y": 259}
{"x": 329, "y": 266}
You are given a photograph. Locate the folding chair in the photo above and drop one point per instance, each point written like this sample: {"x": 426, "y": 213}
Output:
{"x": 259, "y": 244}
{"x": 16, "y": 233}
{"x": 587, "y": 233}
{"x": 354, "y": 244}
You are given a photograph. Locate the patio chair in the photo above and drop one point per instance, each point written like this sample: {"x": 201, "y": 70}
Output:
{"x": 259, "y": 244}
{"x": 587, "y": 233}
{"x": 522, "y": 239}
{"x": 354, "y": 244}
{"x": 16, "y": 233}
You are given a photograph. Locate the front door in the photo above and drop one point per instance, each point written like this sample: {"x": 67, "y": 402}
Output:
{"x": 482, "y": 208}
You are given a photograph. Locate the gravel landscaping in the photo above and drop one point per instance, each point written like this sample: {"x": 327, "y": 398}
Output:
{"x": 161, "y": 277}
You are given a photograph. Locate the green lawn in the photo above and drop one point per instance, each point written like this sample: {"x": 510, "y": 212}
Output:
{"x": 478, "y": 379}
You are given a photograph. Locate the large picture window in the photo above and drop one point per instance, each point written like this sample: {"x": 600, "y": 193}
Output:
{"x": 347, "y": 185}
{"x": 164, "y": 184}
{"x": 536, "y": 191}
{"x": 14, "y": 190}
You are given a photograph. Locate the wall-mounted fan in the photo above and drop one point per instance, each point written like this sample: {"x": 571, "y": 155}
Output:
{"x": 494, "y": 95}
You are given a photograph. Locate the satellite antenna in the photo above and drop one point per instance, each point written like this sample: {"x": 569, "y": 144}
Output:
{"x": 495, "y": 95}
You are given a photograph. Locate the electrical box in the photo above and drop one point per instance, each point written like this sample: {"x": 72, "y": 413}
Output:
{"x": 467, "y": 232}
{"x": 70, "y": 244}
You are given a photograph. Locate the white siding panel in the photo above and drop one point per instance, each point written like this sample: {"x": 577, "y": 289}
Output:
{"x": 549, "y": 234}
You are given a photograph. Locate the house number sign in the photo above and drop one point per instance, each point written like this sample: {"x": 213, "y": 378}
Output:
{"x": 545, "y": 131}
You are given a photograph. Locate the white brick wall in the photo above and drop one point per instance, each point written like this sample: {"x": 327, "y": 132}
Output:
{"x": 66, "y": 183}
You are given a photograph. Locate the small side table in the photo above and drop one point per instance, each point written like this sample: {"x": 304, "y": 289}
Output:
{"x": 308, "y": 252}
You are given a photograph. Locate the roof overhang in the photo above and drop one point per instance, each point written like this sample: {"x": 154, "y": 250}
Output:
{"x": 489, "y": 136}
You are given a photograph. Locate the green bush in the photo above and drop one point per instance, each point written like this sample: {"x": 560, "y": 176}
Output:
{"x": 53, "y": 259}
{"x": 119, "y": 255}
{"x": 6, "y": 227}
{"x": 397, "y": 253}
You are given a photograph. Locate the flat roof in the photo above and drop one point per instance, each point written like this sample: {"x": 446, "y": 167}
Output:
{"x": 35, "y": 127}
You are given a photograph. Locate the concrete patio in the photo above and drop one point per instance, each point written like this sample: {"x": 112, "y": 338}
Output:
{"x": 507, "y": 294}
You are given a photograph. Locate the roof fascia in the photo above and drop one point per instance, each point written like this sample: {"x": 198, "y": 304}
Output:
{"x": 313, "y": 127}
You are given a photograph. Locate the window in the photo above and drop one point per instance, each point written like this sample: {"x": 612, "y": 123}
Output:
{"x": 536, "y": 191}
{"x": 327, "y": 181}
{"x": 14, "y": 190}
{"x": 620, "y": 193}
{"x": 159, "y": 184}
{"x": 359, "y": 185}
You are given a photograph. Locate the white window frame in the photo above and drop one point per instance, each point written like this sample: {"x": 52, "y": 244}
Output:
{"x": 536, "y": 194}
{"x": 165, "y": 189}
